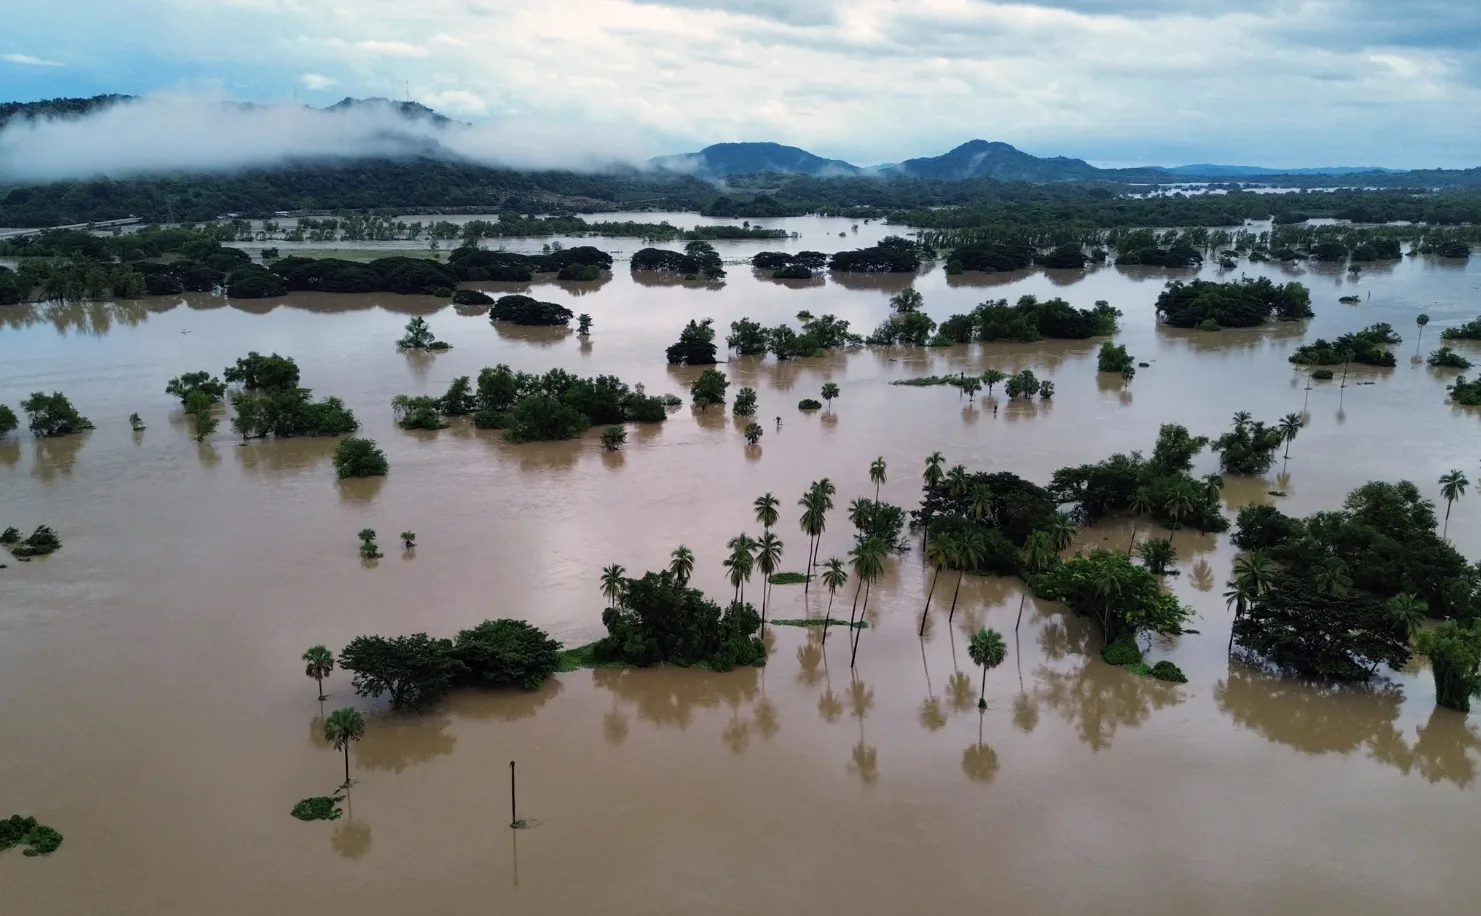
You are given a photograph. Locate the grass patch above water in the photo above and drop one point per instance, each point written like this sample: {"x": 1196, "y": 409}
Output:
{"x": 582, "y": 657}
{"x": 788, "y": 578}
{"x": 927, "y": 381}
{"x": 818, "y": 622}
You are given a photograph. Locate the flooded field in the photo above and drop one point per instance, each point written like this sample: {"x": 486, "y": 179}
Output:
{"x": 155, "y": 709}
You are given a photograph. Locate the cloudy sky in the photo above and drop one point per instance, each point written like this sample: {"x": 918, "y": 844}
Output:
{"x": 1118, "y": 82}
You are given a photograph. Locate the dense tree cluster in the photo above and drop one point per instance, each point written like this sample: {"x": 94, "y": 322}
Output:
{"x": 659, "y": 620}
{"x": 879, "y": 522}
{"x": 553, "y": 406}
{"x": 388, "y": 275}
{"x": 1242, "y": 303}
{"x": 273, "y": 404}
{"x": 1114, "y": 358}
{"x": 1161, "y": 487}
{"x": 517, "y": 309}
{"x": 906, "y": 329}
{"x": 996, "y": 512}
{"x": 698, "y": 259}
{"x": 473, "y": 263}
{"x": 1471, "y": 330}
{"x": 990, "y": 257}
{"x": 696, "y": 345}
{"x": 1368, "y": 346}
{"x": 893, "y": 254}
{"x": 1141, "y": 246}
{"x": 1465, "y": 393}
{"x": 749, "y": 338}
{"x": 1107, "y": 587}
{"x": 417, "y": 670}
{"x": 1446, "y": 358}
{"x": 1249, "y": 447}
{"x": 53, "y": 415}
{"x": 784, "y": 266}
{"x": 356, "y": 457}
{"x": 1029, "y": 320}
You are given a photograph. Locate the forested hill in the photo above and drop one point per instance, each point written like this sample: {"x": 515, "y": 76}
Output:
{"x": 724, "y": 159}
{"x": 53, "y": 108}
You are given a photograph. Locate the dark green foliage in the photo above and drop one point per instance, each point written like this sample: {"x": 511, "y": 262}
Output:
{"x": 472, "y": 297}
{"x": 584, "y": 273}
{"x": 1322, "y": 375}
{"x": 892, "y": 255}
{"x": 1455, "y": 659}
{"x": 1167, "y": 671}
{"x": 1464, "y": 393}
{"x": 1341, "y": 636}
{"x": 657, "y": 621}
{"x": 10, "y": 288}
{"x": 39, "y": 839}
{"x": 1178, "y": 256}
{"x": 53, "y": 415}
{"x": 355, "y": 457}
{"x": 556, "y": 405}
{"x": 696, "y": 345}
{"x": 1114, "y": 358}
{"x": 788, "y": 578}
{"x": 1471, "y": 330}
{"x": 698, "y": 259}
{"x": 613, "y": 438}
{"x": 1019, "y": 508}
{"x": 418, "y": 412}
{"x": 878, "y": 521}
{"x": 1022, "y": 384}
{"x": 1029, "y": 320}
{"x": 505, "y": 653}
{"x": 988, "y": 257}
{"x": 1446, "y": 358}
{"x": 745, "y": 403}
{"x": 11, "y": 535}
{"x": 794, "y": 266}
{"x": 1157, "y": 554}
{"x": 1365, "y": 346}
{"x": 253, "y": 281}
{"x": 415, "y": 670}
{"x": 318, "y": 808}
{"x": 289, "y": 412}
{"x": 41, "y": 542}
{"x": 1454, "y": 249}
{"x": 1249, "y": 448}
{"x": 911, "y": 329}
{"x": 793, "y": 272}
{"x": 8, "y": 420}
{"x": 1107, "y": 587}
{"x": 809, "y": 404}
{"x": 458, "y": 400}
{"x": 747, "y": 338}
{"x": 256, "y": 372}
{"x": 582, "y": 262}
{"x": 817, "y": 622}
{"x": 1121, "y": 652}
{"x": 542, "y": 418}
{"x": 182, "y": 386}
{"x": 524, "y": 310}
{"x": 1063, "y": 257}
{"x": 420, "y": 337}
{"x": 1241, "y": 303}
{"x": 1263, "y": 527}
{"x": 709, "y": 389}
{"x": 392, "y": 275}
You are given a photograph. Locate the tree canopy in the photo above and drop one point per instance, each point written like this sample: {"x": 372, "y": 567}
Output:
{"x": 1240, "y": 303}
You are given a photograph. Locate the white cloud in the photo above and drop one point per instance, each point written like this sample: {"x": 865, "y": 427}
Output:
{"x": 317, "y": 81}
{"x": 29, "y": 61}
{"x": 456, "y": 102}
{"x": 392, "y": 48}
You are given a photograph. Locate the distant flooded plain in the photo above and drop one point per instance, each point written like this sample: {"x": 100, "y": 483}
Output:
{"x": 155, "y": 709}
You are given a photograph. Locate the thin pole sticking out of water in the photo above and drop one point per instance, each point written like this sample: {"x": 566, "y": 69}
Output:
{"x": 513, "y": 816}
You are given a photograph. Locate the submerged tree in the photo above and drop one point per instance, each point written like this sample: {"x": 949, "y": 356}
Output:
{"x": 830, "y": 391}
{"x": 318, "y": 662}
{"x": 8, "y": 420}
{"x": 420, "y": 337}
{"x": 53, "y": 415}
{"x": 1455, "y": 658}
{"x": 878, "y": 475}
{"x": 681, "y": 565}
{"x": 988, "y": 650}
{"x": 753, "y": 433}
{"x": 368, "y": 548}
{"x": 343, "y": 728}
{"x": 834, "y": 578}
{"x": 1452, "y": 487}
{"x": 356, "y": 457}
{"x": 612, "y": 579}
{"x": 868, "y": 561}
{"x": 408, "y": 540}
{"x": 613, "y": 438}
{"x": 709, "y": 389}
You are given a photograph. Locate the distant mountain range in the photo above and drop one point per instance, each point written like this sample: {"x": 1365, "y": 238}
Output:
{"x": 973, "y": 159}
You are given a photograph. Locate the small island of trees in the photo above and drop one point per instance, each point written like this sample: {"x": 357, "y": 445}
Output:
{"x": 1368, "y": 346}
{"x": 517, "y": 309}
{"x": 893, "y": 254}
{"x": 1243, "y": 303}
{"x": 698, "y": 259}
{"x": 271, "y": 403}
{"x": 1027, "y": 321}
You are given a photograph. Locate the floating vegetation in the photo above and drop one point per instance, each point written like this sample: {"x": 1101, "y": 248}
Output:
{"x": 39, "y": 839}
{"x": 818, "y": 622}
{"x": 318, "y": 808}
{"x": 788, "y": 578}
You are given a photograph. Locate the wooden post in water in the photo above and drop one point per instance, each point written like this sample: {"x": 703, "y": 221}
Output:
{"x": 513, "y": 816}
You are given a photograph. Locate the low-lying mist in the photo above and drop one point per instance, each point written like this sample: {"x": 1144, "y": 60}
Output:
{"x": 170, "y": 133}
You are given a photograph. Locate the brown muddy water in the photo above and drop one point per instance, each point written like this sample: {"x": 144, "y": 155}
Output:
{"x": 155, "y": 710}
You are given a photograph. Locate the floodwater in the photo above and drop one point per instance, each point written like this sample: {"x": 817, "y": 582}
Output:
{"x": 155, "y": 710}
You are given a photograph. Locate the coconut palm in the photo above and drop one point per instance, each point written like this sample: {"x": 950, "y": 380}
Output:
{"x": 1452, "y": 487}
{"x": 1289, "y": 426}
{"x": 768, "y": 560}
{"x": 858, "y": 511}
{"x": 830, "y": 391}
{"x": 981, "y": 502}
{"x": 971, "y": 549}
{"x": 1242, "y": 419}
{"x": 343, "y": 728}
{"x": 681, "y": 564}
{"x": 1239, "y": 596}
{"x": 868, "y": 565}
{"x": 1254, "y": 570}
{"x": 1213, "y": 488}
{"x": 612, "y": 583}
{"x": 813, "y": 523}
{"x": 939, "y": 551}
{"x": 957, "y": 482}
{"x": 834, "y": 577}
{"x": 1141, "y": 504}
{"x": 1107, "y": 583}
{"x": 1061, "y": 530}
{"x": 766, "y": 510}
{"x": 988, "y": 650}
{"x": 1158, "y": 554}
{"x": 318, "y": 662}
{"x": 1421, "y": 320}
{"x": 1409, "y": 611}
{"x": 741, "y": 562}
{"x": 1331, "y": 576}
{"x": 933, "y": 474}
{"x": 1179, "y": 504}
{"x": 1038, "y": 554}
{"x": 877, "y": 475}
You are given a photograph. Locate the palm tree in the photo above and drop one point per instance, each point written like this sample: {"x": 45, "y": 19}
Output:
{"x": 1061, "y": 531}
{"x": 988, "y": 650}
{"x": 1409, "y": 611}
{"x": 957, "y": 481}
{"x": 982, "y": 502}
{"x": 1241, "y": 420}
{"x": 933, "y": 473}
{"x": 766, "y": 510}
{"x": 970, "y": 550}
{"x": 343, "y": 728}
{"x": 612, "y": 583}
{"x": 877, "y": 475}
{"x": 741, "y": 562}
{"x": 939, "y": 551}
{"x": 868, "y": 565}
{"x": 681, "y": 564}
{"x": 858, "y": 511}
{"x": 834, "y": 577}
{"x": 1255, "y": 571}
{"x": 769, "y": 559}
{"x": 1421, "y": 320}
{"x": 1141, "y": 504}
{"x": 1289, "y": 426}
{"x": 1332, "y": 577}
{"x": 753, "y": 433}
{"x": 1179, "y": 504}
{"x": 318, "y": 662}
{"x": 1107, "y": 583}
{"x": 1452, "y": 487}
{"x": 830, "y": 391}
{"x": 1038, "y": 553}
{"x": 1239, "y": 596}
{"x": 813, "y": 523}
{"x": 1213, "y": 488}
